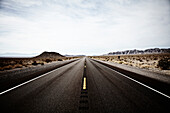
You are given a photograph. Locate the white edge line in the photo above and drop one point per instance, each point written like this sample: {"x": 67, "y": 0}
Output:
{"x": 3, "y": 92}
{"x": 141, "y": 83}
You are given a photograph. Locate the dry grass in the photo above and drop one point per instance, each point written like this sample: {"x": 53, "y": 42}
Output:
{"x": 12, "y": 63}
{"x": 146, "y": 61}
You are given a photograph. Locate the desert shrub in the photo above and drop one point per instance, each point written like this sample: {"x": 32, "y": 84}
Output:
{"x": 120, "y": 62}
{"x": 48, "y": 60}
{"x": 60, "y": 60}
{"x": 20, "y": 62}
{"x": 42, "y": 63}
{"x": 130, "y": 64}
{"x": 164, "y": 64}
{"x": 25, "y": 65}
{"x": 155, "y": 58}
{"x": 34, "y": 63}
{"x": 142, "y": 63}
{"x": 125, "y": 60}
{"x": 140, "y": 60}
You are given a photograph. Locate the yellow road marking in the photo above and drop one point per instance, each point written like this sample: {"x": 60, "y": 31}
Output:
{"x": 84, "y": 83}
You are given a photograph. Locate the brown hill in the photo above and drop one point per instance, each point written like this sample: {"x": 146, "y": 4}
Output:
{"x": 49, "y": 55}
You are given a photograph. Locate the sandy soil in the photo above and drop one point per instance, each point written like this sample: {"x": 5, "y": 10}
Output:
{"x": 14, "y": 63}
{"x": 144, "y": 61}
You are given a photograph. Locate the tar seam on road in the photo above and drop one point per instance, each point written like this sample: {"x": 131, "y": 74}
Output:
{"x": 83, "y": 103}
{"x": 140, "y": 83}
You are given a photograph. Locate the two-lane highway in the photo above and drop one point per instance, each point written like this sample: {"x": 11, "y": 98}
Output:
{"x": 83, "y": 86}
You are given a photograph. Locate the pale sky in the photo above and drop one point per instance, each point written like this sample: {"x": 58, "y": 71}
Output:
{"x": 90, "y": 27}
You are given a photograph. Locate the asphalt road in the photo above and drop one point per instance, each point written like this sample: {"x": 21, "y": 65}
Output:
{"x": 83, "y": 86}
{"x": 15, "y": 77}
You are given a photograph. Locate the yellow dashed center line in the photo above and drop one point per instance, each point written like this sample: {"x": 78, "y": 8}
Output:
{"x": 84, "y": 83}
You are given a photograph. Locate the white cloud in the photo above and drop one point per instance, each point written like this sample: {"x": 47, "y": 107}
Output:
{"x": 83, "y": 27}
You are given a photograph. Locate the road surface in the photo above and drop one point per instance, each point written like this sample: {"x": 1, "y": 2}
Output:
{"x": 83, "y": 86}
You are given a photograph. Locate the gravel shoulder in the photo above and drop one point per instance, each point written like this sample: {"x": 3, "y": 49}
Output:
{"x": 149, "y": 73}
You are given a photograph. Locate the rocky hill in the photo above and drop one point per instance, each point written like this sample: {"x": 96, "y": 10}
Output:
{"x": 49, "y": 55}
{"x": 135, "y": 51}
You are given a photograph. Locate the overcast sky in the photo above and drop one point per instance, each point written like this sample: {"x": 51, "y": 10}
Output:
{"x": 90, "y": 27}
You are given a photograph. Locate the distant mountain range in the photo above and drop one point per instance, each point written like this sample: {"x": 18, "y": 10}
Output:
{"x": 135, "y": 51}
{"x": 55, "y": 54}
